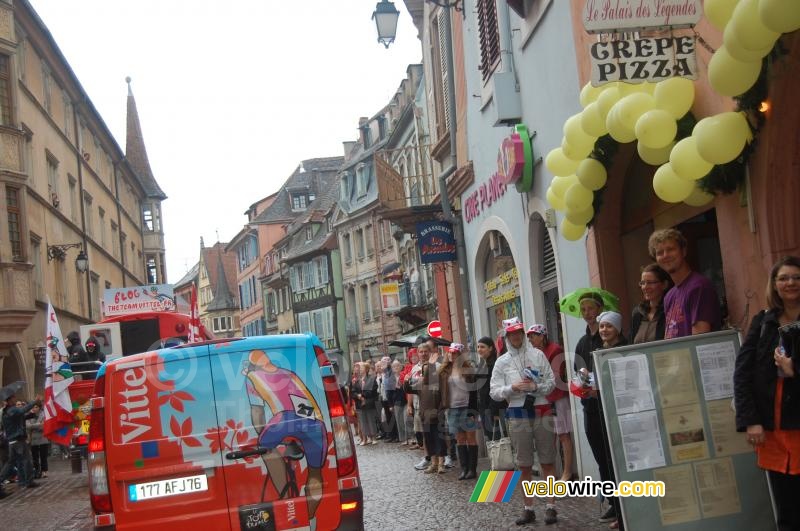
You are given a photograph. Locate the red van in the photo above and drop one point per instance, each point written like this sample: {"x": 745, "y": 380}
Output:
{"x": 246, "y": 433}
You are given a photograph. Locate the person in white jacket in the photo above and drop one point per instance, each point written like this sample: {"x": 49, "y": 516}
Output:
{"x": 524, "y": 370}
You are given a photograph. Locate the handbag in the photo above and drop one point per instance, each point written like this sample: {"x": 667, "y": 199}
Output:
{"x": 501, "y": 454}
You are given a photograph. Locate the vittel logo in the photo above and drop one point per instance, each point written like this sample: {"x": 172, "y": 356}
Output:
{"x": 133, "y": 399}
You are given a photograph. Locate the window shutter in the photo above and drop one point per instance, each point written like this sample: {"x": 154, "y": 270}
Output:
{"x": 303, "y": 322}
{"x": 548, "y": 258}
{"x": 443, "y": 68}
{"x": 489, "y": 36}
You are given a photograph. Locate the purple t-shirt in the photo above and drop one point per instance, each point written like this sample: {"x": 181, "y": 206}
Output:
{"x": 693, "y": 300}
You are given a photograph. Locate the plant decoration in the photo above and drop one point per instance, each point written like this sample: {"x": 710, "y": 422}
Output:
{"x": 696, "y": 159}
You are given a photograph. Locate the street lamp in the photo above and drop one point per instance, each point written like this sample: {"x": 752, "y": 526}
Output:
{"x": 58, "y": 252}
{"x": 385, "y": 17}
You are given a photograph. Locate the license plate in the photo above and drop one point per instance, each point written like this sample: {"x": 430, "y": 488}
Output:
{"x": 167, "y": 487}
{"x": 85, "y": 426}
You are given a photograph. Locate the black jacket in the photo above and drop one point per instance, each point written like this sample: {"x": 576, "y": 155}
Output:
{"x": 640, "y": 312}
{"x": 756, "y": 376}
{"x": 482, "y": 379}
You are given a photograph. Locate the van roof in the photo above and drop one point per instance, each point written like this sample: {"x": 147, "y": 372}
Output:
{"x": 281, "y": 341}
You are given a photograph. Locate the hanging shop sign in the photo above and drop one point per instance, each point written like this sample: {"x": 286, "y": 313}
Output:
{"x": 646, "y": 59}
{"x": 122, "y": 301}
{"x": 390, "y": 296}
{"x": 436, "y": 242}
{"x": 612, "y": 16}
{"x": 515, "y": 159}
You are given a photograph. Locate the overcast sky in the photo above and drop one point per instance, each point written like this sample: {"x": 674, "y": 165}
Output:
{"x": 231, "y": 94}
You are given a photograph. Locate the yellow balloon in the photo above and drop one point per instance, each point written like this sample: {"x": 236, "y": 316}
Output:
{"x": 632, "y": 107}
{"x": 575, "y": 135}
{"x": 571, "y": 231}
{"x": 560, "y": 185}
{"x": 719, "y": 12}
{"x": 654, "y": 157}
{"x": 592, "y": 174}
{"x": 729, "y": 76}
{"x": 674, "y": 95}
{"x": 555, "y": 201}
{"x": 575, "y": 153}
{"x": 669, "y": 187}
{"x": 698, "y": 198}
{"x": 580, "y": 217}
{"x": 748, "y": 28}
{"x": 648, "y": 87}
{"x": 592, "y": 122}
{"x": 721, "y": 138}
{"x": 656, "y": 129}
{"x": 559, "y": 164}
{"x": 607, "y": 99}
{"x": 589, "y": 94}
{"x": 687, "y": 162}
{"x": 618, "y": 132}
{"x": 578, "y": 197}
{"x": 738, "y": 51}
{"x": 782, "y": 16}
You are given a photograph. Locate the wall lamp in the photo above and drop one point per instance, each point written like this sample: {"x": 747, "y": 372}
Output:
{"x": 386, "y": 15}
{"x": 58, "y": 252}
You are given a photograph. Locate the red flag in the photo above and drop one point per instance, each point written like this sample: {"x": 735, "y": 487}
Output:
{"x": 57, "y": 404}
{"x": 194, "y": 317}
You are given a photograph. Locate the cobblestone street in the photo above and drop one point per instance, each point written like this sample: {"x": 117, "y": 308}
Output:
{"x": 396, "y": 497}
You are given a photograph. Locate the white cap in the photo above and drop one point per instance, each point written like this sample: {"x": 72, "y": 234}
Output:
{"x": 612, "y": 318}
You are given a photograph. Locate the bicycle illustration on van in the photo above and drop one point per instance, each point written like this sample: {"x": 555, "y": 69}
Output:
{"x": 285, "y": 416}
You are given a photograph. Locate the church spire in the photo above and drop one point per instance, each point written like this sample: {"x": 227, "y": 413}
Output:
{"x": 135, "y": 151}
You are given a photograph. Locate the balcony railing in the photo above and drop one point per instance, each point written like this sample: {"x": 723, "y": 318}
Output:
{"x": 405, "y": 177}
{"x": 412, "y": 294}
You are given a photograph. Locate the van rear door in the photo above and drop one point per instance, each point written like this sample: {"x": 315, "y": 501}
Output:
{"x": 163, "y": 472}
{"x": 275, "y": 434}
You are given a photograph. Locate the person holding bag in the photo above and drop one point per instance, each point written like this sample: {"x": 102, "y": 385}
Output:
{"x": 524, "y": 378}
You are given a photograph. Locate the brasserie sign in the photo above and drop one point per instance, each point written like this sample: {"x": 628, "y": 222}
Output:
{"x": 612, "y": 16}
{"x": 647, "y": 59}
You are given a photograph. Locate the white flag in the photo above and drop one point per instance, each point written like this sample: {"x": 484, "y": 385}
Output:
{"x": 57, "y": 403}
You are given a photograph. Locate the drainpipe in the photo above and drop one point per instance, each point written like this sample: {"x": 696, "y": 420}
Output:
{"x": 447, "y": 209}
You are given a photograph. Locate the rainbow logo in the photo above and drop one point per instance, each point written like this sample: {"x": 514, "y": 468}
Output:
{"x": 495, "y": 486}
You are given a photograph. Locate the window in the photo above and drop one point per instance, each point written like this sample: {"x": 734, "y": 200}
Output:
{"x": 102, "y": 215}
{"x": 156, "y": 217}
{"x": 94, "y": 295}
{"x": 151, "y": 269}
{"x": 52, "y": 178}
{"x": 5, "y": 90}
{"x": 74, "y": 212}
{"x": 61, "y": 282}
{"x": 381, "y": 127}
{"x": 67, "y": 115}
{"x": 36, "y": 258}
{"x": 114, "y": 240}
{"x": 299, "y": 201}
{"x": 123, "y": 238}
{"x": 14, "y": 222}
{"x": 87, "y": 206}
{"x": 347, "y": 249}
{"x": 376, "y": 300}
{"x": 365, "y": 313}
{"x": 369, "y": 238}
{"x": 322, "y": 270}
{"x": 343, "y": 192}
{"x": 361, "y": 180}
{"x": 22, "y": 52}
{"x": 47, "y": 100}
{"x": 489, "y": 37}
{"x": 360, "y": 249}
{"x": 309, "y": 234}
{"x": 222, "y": 324}
{"x": 147, "y": 217}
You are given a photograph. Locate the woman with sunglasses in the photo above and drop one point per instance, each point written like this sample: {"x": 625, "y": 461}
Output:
{"x": 647, "y": 321}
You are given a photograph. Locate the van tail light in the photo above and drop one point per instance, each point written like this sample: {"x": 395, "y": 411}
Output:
{"x": 342, "y": 439}
{"x": 98, "y": 473}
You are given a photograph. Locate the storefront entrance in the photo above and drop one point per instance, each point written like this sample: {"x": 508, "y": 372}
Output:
{"x": 501, "y": 293}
